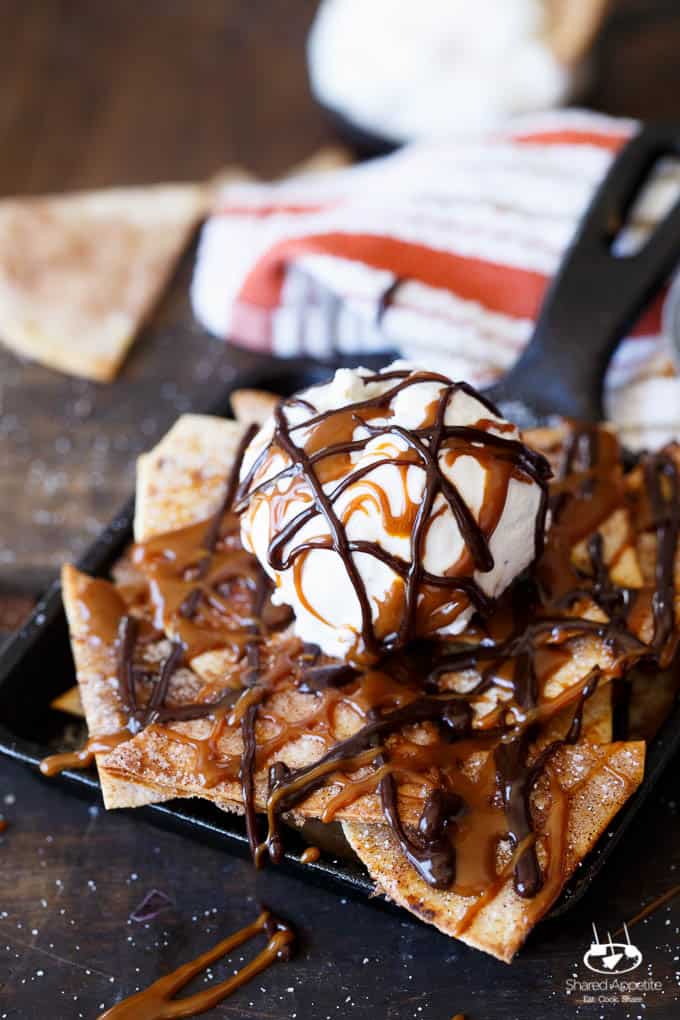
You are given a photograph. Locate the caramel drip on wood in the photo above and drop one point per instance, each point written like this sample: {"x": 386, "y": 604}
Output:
{"x": 158, "y": 1002}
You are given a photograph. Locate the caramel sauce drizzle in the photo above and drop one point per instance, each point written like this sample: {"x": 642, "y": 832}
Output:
{"x": 430, "y": 852}
{"x": 310, "y": 855}
{"x": 462, "y": 820}
{"x": 83, "y": 758}
{"x": 158, "y": 1002}
{"x": 325, "y": 456}
{"x": 103, "y": 604}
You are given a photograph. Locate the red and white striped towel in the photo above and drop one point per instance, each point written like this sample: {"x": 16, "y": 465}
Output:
{"x": 441, "y": 251}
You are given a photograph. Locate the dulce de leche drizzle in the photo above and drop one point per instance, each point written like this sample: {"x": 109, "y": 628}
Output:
{"x": 662, "y": 485}
{"x": 524, "y": 646}
{"x": 205, "y": 588}
{"x": 414, "y": 735}
{"x": 325, "y": 456}
{"x": 83, "y": 758}
{"x": 158, "y": 1002}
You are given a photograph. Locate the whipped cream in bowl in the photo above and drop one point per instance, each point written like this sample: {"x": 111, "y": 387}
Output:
{"x": 389, "y": 506}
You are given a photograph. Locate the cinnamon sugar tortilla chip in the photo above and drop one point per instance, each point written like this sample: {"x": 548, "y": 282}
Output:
{"x": 550, "y": 441}
{"x": 69, "y": 702}
{"x": 596, "y": 781}
{"x": 95, "y": 662}
{"x": 647, "y": 547}
{"x": 253, "y": 405}
{"x": 181, "y": 480}
{"x": 618, "y": 551}
{"x": 167, "y": 755}
{"x": 617, "y": 531}
{"x": 80, "y": 273}
{"x": 596, "y": 726}
{"x": 653, "y": 694}
{"x": 120, "y": 793}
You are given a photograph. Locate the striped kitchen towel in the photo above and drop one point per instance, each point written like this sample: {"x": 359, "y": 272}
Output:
{"x": 441, "y": 252}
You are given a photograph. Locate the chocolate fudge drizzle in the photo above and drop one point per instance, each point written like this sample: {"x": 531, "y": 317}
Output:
{"x": 662, "y": 485}
{"x": 429, "y": 851}
{"x": 141, "y": 712}
{"x": 330, "y": 443}
{"x": 159, "y": 1002}
{"x": 215, "y": 595}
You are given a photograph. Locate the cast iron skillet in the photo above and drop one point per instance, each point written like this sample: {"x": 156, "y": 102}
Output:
{"x": 595, "y": 296}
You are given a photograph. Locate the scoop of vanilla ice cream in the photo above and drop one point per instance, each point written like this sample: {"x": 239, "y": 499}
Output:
{"x": 378, "y": 504}
{"x": 421, "y": 70}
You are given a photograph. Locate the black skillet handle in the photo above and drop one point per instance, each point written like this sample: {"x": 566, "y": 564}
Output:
{"x": 596, "y": 296}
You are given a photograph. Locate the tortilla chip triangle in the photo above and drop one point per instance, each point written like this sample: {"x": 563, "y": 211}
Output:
{"x": 80, "y": 273}
{"x": 499, "y": 921}
{"x": 252, "y": 405}
{"x": 181, "y": 480}
{"x": 69, "y": 702}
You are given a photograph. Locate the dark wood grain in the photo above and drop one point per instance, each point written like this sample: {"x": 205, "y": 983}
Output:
{"x": 95, "y": 93}
{"x": 72, "y": 874}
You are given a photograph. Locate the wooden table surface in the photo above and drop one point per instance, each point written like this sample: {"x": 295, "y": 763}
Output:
{"x": 96, "y": 93}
